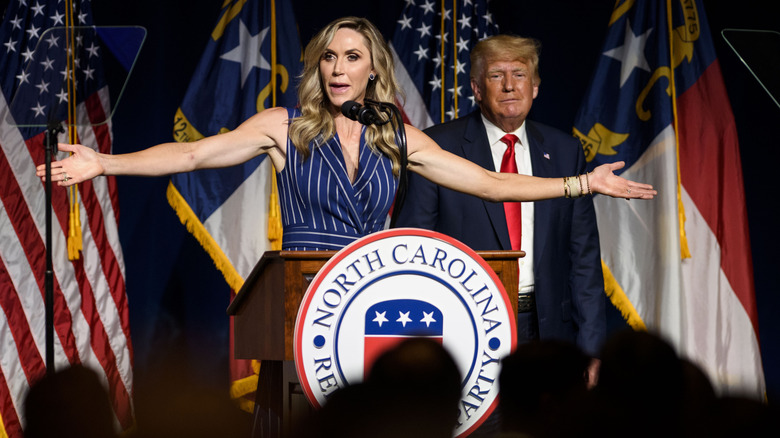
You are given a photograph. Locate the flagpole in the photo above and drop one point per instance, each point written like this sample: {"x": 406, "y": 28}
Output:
{"x": 442, "y": 70}
{"x": 454, "y": 59}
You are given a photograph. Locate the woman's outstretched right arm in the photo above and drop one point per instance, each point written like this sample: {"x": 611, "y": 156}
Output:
{"x": 263, "y": 133}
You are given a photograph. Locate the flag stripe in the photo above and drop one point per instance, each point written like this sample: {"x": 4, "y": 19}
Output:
{"x": 729, "y": 352}
{"x": 722, "y": 204}
{"x": 110, "y": 342}
{"x": 21, "y": 337}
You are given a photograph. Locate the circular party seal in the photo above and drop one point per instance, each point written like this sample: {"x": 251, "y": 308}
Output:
{"x": 396, "y": 284}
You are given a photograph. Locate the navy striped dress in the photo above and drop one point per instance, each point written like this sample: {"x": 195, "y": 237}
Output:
{"x": 321, "y": 208}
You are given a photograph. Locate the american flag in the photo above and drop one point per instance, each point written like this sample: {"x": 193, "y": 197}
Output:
{"x": 431, "y": 48}
{"x": 91, "y": 324}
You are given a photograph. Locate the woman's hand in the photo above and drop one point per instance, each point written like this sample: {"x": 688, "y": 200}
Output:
{"x": 82, "y": 165}
{"x": 604, "y": 181}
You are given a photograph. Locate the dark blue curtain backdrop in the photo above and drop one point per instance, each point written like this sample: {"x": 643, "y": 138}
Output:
{"x": 177, "y": 297}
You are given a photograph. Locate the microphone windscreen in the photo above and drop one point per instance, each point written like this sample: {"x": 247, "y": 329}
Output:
{"x": 350, "y": 109}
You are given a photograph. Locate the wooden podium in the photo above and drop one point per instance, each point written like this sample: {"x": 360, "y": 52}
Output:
{"x": 265, "y": 310}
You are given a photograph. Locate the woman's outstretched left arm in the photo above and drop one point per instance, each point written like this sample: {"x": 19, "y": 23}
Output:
{"x": 448, "y": 170}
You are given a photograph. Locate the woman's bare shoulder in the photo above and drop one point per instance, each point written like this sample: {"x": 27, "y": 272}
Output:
{"x": 271, "y": 117}
{"x": 272, "y": 123}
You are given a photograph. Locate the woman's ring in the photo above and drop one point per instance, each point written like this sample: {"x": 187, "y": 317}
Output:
{"x": 628, "y": 190}
{"x": 65, "y": 177}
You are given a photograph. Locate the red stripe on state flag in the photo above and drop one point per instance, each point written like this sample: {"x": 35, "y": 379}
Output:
{"x": 711, "y": 172}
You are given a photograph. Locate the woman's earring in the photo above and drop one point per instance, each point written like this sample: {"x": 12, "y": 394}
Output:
{"x": 371, "y": 77}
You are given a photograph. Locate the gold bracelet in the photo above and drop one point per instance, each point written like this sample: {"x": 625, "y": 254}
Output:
{"x": 565, "y": 188}
{"x": 572, "y": 186}
{"x": 587, "y": 181}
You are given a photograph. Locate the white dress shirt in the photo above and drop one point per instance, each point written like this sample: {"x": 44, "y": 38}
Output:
{"x": 523, "y": 159}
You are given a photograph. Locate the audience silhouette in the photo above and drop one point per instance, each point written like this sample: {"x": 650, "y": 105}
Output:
{"x": 640, "y": 387}
{"x": 413, "y": 390}
{"x": 542, "y": 383}
{"x": 644, "y": 389}
{"x": 70, "y": 402}
{"x": 174, "y": 403}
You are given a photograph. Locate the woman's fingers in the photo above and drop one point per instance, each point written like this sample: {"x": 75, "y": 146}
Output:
{"x": 619, "y": 187}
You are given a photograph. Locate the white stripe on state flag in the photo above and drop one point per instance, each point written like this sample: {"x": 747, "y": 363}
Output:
{"x": 245, "y": 209}
{"x": 640, "y": 240}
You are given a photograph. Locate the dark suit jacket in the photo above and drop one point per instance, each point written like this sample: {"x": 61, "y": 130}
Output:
{"x": 568, "y": 282}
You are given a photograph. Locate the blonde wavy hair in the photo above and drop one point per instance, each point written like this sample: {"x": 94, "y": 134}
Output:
{"x": 316, "y": 119}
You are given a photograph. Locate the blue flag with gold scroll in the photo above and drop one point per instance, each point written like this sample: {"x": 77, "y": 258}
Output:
{"x": 240, "y": 74}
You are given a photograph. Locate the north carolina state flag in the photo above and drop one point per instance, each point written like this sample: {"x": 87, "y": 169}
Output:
{"x": 679, "y": 265}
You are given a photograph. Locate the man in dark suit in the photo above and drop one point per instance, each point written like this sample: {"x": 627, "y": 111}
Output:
{"x": 561, "y": 282}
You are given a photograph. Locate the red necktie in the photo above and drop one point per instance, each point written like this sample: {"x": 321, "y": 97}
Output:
{"x": 514, "y": 218}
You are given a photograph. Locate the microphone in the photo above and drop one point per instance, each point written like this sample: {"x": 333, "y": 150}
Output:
{"x": 363, "y": 114}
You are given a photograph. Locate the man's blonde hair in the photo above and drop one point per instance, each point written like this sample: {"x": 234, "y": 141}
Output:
{"x": 505, "y": 48}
